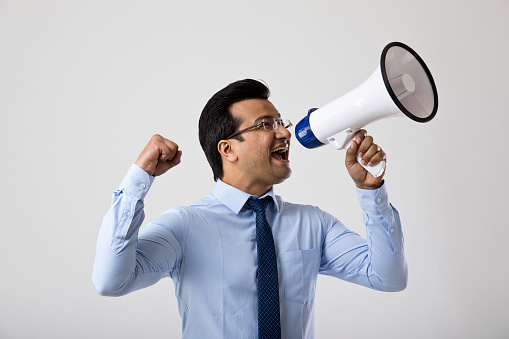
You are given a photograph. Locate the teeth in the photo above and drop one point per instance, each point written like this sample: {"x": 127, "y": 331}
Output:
{"x": 282, "y": 152}
{"x": 279, "y": 149}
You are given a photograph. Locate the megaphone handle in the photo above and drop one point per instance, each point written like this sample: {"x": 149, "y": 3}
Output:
{"x": 375, "y": 170}
{"x": 343, "y": 140}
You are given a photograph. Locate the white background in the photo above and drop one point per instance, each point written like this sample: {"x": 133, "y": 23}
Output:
{"x": 84, "y": 85}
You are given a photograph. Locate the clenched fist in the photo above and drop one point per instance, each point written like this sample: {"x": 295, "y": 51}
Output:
{"x": 159, "y": 156}
{"x": 371, "y": 154}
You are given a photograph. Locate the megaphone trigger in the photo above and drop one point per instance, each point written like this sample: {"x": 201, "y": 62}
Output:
{"x": 342, "y": 139}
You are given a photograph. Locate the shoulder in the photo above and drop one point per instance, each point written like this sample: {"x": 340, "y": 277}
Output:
{"x": 204, "y": 205}
{"x": 302, "y": 210}
{"x": 177, "y": 218}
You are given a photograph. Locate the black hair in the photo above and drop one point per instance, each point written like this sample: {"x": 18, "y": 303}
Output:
{"x": 217, "y": 123}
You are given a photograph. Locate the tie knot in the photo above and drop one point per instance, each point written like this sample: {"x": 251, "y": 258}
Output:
{"x": 258, "y": 205}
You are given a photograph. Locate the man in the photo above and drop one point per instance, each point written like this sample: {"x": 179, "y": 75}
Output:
{"x": 212, "y": 249}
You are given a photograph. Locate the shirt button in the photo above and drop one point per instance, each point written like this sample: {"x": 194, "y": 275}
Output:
{"x": 128, "y": 214}
{"x": 379, "y": 200}
{"x": 392, "y": 229}
{"x": 143, "y": 186}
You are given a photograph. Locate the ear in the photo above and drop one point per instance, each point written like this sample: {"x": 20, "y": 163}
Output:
{"x": 225, "y": 148}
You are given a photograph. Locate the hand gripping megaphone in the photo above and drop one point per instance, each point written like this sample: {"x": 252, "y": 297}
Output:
{"x": 402, "y": 85}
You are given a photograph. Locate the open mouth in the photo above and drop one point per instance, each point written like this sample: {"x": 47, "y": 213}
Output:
{"x": 280, "y": 153}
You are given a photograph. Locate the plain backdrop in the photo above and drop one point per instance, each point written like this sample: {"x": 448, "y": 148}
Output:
{"x": 85, "y": 84}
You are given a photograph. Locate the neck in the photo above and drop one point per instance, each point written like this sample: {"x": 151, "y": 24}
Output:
{"x": 257, "y": 189}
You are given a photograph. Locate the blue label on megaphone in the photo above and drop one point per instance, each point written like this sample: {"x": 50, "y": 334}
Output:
{"x": 305, "y": 135}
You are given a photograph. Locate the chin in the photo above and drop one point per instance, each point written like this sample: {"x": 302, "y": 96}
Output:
{"x": 284, "y": 176}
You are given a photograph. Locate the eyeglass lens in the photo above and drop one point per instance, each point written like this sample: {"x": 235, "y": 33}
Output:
{"x": 271, "y": 123}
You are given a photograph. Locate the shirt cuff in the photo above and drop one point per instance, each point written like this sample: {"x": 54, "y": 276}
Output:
{"x": 136, "y": 182}
{"x": 374, "y": 201}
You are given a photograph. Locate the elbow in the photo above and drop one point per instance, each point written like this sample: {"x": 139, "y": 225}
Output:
{"x": 393, "y": 286}
{"x": 399, "y": 279}
{"x": 105, "y": 287}
{"x": 400, "y": 285}
{"x": 396, "y": 282}
{"x": 104, "y": 291}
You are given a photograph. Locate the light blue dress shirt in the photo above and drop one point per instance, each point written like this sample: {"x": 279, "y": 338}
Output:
{"x": 209, "y": 250}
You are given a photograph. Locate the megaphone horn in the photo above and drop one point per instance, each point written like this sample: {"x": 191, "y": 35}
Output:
{"x": 401, "y": 85}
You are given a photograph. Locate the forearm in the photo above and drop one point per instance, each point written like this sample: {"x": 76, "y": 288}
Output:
{"x": 388, "y": 267}
{"x": 115, "y": 263}
{"x": 377, "y": 262}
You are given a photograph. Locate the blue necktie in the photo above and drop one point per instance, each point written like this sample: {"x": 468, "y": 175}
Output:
{"x": 269, "y": 324}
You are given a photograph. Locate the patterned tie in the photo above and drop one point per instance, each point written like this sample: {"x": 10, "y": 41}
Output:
{"x": 269, "y": 324}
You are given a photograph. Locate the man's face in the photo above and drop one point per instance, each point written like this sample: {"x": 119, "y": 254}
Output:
{"x": 263, "y": 155}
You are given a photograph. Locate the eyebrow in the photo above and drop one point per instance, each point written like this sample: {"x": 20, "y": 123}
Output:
{"x": 267, "y": 116}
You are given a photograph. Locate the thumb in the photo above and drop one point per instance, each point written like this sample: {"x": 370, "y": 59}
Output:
{"x": 176, "y": 159}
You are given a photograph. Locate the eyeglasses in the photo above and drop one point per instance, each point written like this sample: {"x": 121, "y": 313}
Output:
{"x": 269, "y": 124}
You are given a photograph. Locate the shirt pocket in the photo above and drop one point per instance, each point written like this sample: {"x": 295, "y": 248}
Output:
{"x": 300, "y": 269}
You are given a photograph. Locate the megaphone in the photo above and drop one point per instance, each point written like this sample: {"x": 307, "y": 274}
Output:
{"x": 401, "y": 85}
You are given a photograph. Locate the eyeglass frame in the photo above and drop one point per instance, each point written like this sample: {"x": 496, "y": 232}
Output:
{"x": 277, "y": 122}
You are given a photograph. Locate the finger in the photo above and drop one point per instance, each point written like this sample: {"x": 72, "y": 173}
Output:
{"x": 365, "y": 145}
{"x": 153, "y": 150}
{"x": 360, "y": 135}
{"x": 351, "y": 154}
{"x": 168, "y": 149}
{"x": 374, "y": 155}
{"x": 176, "y": 159}
{"x": 370, "y": 152}
{"x": 148, "y": 158}
{"x": 375, "y": 159}
{"x": 163, "y": 166}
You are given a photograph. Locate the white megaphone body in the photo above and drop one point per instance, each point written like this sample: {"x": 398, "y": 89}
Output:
{"x": 402, "y": 85}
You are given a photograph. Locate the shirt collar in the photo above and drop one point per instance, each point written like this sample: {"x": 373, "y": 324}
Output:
{"x": 234, "y": 199}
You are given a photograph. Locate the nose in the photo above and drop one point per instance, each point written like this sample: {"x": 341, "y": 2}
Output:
{"x": 283, "y": 132}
